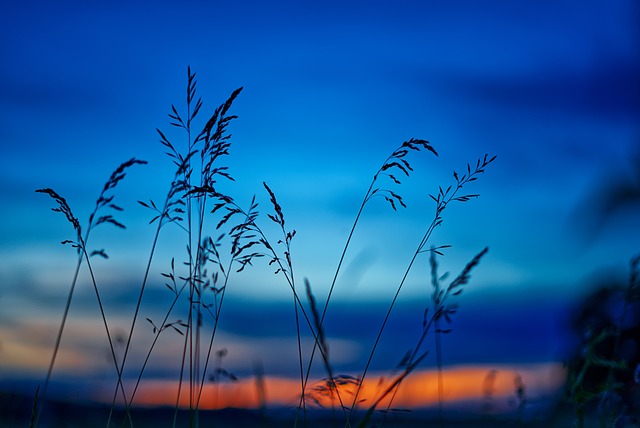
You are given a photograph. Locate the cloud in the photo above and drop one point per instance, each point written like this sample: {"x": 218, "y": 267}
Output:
{"x": 462, "y": 384}
{"x": 608, "y": 90}
{"x": 27, "y": 348}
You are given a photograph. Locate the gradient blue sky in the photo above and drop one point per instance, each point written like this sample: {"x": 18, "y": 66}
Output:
{"x": 330, "y": 89}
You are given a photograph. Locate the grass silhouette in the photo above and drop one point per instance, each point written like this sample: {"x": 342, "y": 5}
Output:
{"x": 195, "y": 205}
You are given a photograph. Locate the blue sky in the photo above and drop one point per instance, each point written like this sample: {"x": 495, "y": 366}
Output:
{"x": 330, "y": 89}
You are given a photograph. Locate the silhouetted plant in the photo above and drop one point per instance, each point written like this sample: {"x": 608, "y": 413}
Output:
{"x": 194, "y": 199}
{"x": 171, "y": 212}
{"x": 220, "y": 374}
{"x": 442, "y": 200}
{"x": 441, "y": 310}
{"x": 104, "y": 201}
{"x": 396, "y": 163}
{"x": 602, "y": 374}
{"x": 282, "y": 261}
{"x": 211, "y": 143}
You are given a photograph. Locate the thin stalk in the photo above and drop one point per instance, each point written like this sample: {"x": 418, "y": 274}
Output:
{"x": 384, "y": 324}
{"x": 81, "y": 246}
{"x": 163, "y": 217}
{"x": 213, "y": 334}
{"x": 394, "y": 161}
{"x": 252, "y": 227}
{"x": 287, "y": 237}
{"x": 182, "y": 364}
{"x": 393, "y": 386}
{"x": 189, "y": 339}
{"x": 189, "y": 335}
{"x": 106, "y": 326}
{"x": 344, "y": 250}
{"x": 309, "y": 324}
{"x": 202, "y": 202}
{"x": 63, "y": 207}
{"x": 153, "y": 344}
{"x": 34, "y": 408}
{"x": 439, "y": 368}
{"x": 287, "y": 271}
{"x": 435, "y": 281}
{"x": 442, "y": 200}
{"x": 440, "y": 309}
{"x": 326, "y": 304}
{"x": 130, "y": 336}
{"x": 58, "y": 340}
{"x": 300, "y": 362}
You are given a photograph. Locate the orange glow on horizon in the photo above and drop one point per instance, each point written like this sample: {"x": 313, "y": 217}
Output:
{"x": 420, "y": 389}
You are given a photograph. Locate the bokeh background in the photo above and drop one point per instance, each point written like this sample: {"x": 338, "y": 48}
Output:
{"x": 330, "y": 90}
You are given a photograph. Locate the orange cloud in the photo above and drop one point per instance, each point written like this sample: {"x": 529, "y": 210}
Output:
{"x": 420, "y": 389}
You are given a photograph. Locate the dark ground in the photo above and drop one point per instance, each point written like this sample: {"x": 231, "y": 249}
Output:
{"x": 15, "y": 411}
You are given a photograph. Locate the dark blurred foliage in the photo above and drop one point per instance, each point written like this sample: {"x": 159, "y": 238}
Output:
{"x": 604, "y": 372}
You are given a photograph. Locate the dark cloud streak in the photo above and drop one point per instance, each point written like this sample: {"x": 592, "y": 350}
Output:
{"x": 609, "y": 91}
